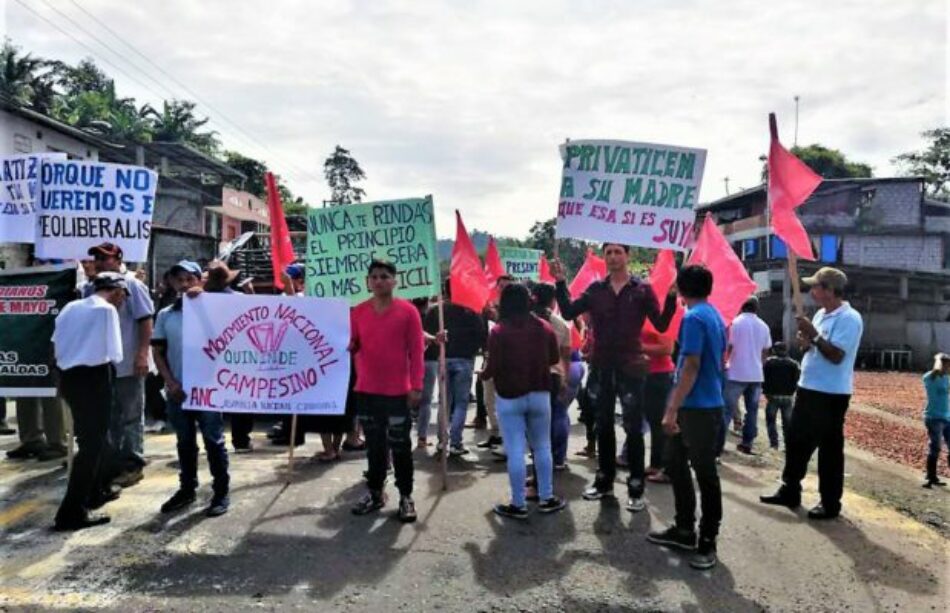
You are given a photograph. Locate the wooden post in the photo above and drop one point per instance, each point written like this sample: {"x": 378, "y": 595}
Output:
{"x": 290, "y": 453}
{"x": 792, "y": 257}
{"x": 443, "y": 405}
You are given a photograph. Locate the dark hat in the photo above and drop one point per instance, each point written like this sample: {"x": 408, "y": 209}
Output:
{"x": 186, "y": 266}
{"x": 295, "y": 271}
{"x": 219, "y": 276}
{"x": 108, "y": 249}
{"x": 110, "y": 280}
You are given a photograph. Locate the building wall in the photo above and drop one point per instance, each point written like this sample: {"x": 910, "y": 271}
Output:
{"x": 167, "y": 248}
{"x": 19, "y": 135}
{"x": 897, "y": 205}
{"x": 920, "y": 253}
{"x": 178, "y": 208}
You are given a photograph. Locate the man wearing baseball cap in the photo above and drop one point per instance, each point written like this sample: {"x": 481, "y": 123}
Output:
{"x": 87, "y": 345}
{"x": 830, "y": 344}
{"x": 127, "y": 426}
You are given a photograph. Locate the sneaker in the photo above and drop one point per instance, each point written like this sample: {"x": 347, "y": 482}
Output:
{"x": 102, "y": 498}
{"x": 782, "y": 498}
{"x": 552, "y": 505}
{"x": 368, "y": 503}
{"x": 558, "y": 468}
{"x": 746, "y": 449}
{"x": 490, "y": 442}
{"x": 129, "y": 478}
{"x": 25, "y": 452}
{"x": 156, "y": 427}
{"x": 705, "y": 556}
{"x": 822, "y": 512}
{"x": 510, "y": 510}
{"x": 635, "y": 504}
{"x": 595, "y": 492}
{"x": 407, "y": 510}
{"x": 88, "y": 520}
{"x": 674, "y": 537}
{"x": 248, "y": 448}
{"x": 457, "y": 450}
{"x": 219, "y": 506}
{"x": 659, "y": 477}
{"x": 51, "y": 453}
{"x": 178, "y": 501}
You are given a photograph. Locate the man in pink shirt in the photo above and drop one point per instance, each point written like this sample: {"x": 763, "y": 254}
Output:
{"x": 387, "y": 345}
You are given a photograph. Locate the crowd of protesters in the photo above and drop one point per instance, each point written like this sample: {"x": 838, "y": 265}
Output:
{"x": 119, "y": 357}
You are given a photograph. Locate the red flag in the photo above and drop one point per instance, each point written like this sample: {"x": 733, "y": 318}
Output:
{"x": 593, "y": 269}
{"x": 494, "y": 269}
{"x": 662, "y": 277}
{"x": 466, "y": 275}
{"x": 790, "y": 184}
{"x": 281, "y": 249}
{"x": 731, "y": 283}
{"x": 544, "y": 271}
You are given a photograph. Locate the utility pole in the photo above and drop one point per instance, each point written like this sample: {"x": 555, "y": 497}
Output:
{"x": 726, "y": 181}
{"x": 795, "y": 141}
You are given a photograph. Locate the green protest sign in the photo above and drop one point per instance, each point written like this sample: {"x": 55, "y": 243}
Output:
{"x": 343, "y": 240}
{"x": 30, "y": 299}
{"x": 521, "y": 263}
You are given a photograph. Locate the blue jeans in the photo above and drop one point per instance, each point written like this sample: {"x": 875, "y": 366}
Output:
{"x": 459, "y": 373}
{"x": 527, "y": 416}
{"x": 428, "y": 389}
{"x": 937, "y": 429}
{"x": 186, "y": 424}
{"x": 127, "y": 426}
{"x": 751, "y": 392}
{"x": 783, "y": 406}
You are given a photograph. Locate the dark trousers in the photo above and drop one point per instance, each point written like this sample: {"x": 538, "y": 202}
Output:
{"x": 481, "y": 411}
{"x": 604, "y": 386}
{"x": 241, "y": 426}
{"x": 386, "y": 425}
{"x": 154, "y": 401}
{"x": 656, "y": 390}
{"x": 211, "y": 424}
{"x": 88, "y": 392}
{"x": 695, "y": 447}
{"x": 817, "y": 422}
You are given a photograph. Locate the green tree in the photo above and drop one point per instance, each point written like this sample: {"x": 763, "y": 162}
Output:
{"x": 342, "y": 172}
{"x": 571, "y": 252}
{"x": 829, "y": 163}
{"x": 25, "y": 79}
{"x": 253, "y": 169}
{"x": 84, "y": 77}
{"x": 932, "y": 163}
{"x": 102, "y": 112}
{"x": 178, "y": 123}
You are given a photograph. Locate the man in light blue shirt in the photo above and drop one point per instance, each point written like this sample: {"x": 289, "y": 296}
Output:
{"x": 830, "y": 342}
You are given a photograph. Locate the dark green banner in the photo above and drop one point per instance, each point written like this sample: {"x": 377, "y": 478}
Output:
{"x": 30, "y": 299}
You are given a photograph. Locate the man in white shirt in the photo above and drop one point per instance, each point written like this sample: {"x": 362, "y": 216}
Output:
{"x": 830, "y": 343}
{"x": 87, "y": 343}
{"x": 749, "y": 344}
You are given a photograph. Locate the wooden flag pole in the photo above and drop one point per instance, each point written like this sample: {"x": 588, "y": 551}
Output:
{"x": 290, "y": 451}
{"x": 792, "y": 256}
{"x": 443, "y": 404}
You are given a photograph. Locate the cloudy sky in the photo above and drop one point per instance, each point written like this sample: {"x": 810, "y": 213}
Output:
{"x": 469, "y": 100}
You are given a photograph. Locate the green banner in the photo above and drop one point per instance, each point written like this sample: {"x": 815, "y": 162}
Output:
{"x": 30, "y": 299}
{"x": 521, "y": 263}
{"x": 343, "y": 240}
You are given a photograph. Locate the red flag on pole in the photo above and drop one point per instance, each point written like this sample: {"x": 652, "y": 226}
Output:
{"x": 281, "y": 248}
{"x": 731, "y": 283}
{"x": 790, "y": 184}
{"x": 466, "y": 275}
{"x": 494, "y": 269}
{"x": 544, "y": 271}
{"x": 593, "y": 269}
{"x": 662, "y": 277}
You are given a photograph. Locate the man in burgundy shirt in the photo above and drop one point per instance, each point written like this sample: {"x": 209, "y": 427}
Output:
{"x": 387, "y": 345}
{"x": 617, "y": 308}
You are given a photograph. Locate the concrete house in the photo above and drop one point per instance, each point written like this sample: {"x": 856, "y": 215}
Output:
{"x": 890, "y": 239}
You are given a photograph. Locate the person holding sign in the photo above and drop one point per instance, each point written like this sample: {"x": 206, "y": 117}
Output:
{"x": 167, "y": 349}
{"x": 618, "y": 306}
{"x": 387, "y": 344}
{"x": 87, "y": 344}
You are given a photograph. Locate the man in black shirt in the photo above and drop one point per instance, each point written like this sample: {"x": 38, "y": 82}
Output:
{"x": 781, "y": 380}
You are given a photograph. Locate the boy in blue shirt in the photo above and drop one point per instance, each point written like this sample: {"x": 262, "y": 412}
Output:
{"x": 693, "y": 418}
{"x": 937, "y": 414}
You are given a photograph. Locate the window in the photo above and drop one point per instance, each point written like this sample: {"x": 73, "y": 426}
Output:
{"x": 828, "y": 252}
{"x": 779, "y": 250}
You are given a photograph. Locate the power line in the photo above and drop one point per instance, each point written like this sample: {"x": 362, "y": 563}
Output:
{"x": 187, "y": 89}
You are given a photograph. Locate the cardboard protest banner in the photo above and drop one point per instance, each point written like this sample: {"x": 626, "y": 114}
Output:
{"x": 630, "y": 193}
{"x": 30, "y": 300}
{"x": 266, "y": 354}
{"x": 19, "y": 187}
{"x": 82, "y": 204}
{"x": 343, "y": 240}
{"x": 521, "y": 263}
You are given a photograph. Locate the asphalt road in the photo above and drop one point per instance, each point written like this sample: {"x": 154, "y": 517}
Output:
{"x": 296, "y": 546}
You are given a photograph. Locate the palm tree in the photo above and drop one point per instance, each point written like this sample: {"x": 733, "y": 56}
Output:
{"x": 101, "y": 111}
{"x": 178, "y": 123}
{"x": 21, "y": 80}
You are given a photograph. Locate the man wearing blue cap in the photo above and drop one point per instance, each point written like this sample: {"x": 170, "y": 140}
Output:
{"x": 168, "y": 353}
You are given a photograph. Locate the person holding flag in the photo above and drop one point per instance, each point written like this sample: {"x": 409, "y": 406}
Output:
{"x": 618, "y": 306}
